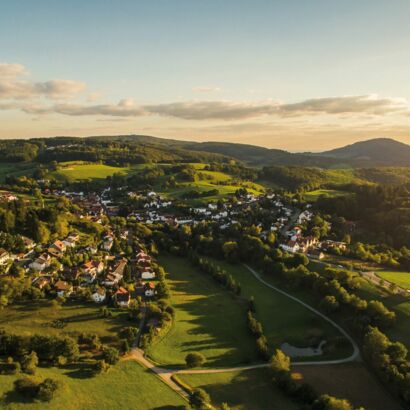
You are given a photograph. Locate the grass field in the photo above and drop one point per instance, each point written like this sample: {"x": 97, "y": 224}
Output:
{"x": 36, "y": 317}
{"x": 284, "y": 320}
{"x": 350, "y": 381}
{"x": 208, "y": 319}
{"x": 126, "y": 386}
{"x": 242, "y": 390}
{"x": 401, "y": 279}
{"x": 78, "y": 170}
{"x": 15, "y": 169}
{"x": 313, "y": 196}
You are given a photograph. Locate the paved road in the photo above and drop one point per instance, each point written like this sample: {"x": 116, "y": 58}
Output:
{"x": 166, "y": 374}
{"x": 356, "y": 352}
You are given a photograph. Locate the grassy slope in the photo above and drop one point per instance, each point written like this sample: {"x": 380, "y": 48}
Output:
{"x": 351, "y": 381}
{"x": 313, "y": 196}
{"x": 35, "y": 317}
{"x": 208, "y": 319}
{"x": 77, "y": 170}
{"x": 250, "y": 390}
{"x": 126, "y": 386}
{"x": 399, "y": 278}
{"x": 284, "y": 320}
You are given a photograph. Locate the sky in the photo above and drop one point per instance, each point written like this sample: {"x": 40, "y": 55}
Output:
{"x": 297, "y": 75}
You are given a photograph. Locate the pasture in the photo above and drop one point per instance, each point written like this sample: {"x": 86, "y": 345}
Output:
{"x": 313, "y": 196}
{"x": 350, "y": 381}
{"x": 208, "y": 319}
{"x": 241, "y": 390}
{"x": 126, "y": 386}
{"x": 401, "y": 279}
{"x": 284, "y": 320}
{"x": 41, "y": 317}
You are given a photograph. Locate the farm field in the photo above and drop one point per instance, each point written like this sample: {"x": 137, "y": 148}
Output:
{"x": 313, "y": 196}
{"x": 208, "y": 319}
{"x": 401, "y": 279}
{"x": 15, "y": 169}
{"x": 78, "y": 171}
{"x": 39, "y": 317}
{"x": 242, "y": 390}
{"x": 126, "y": 386}
{"x": 284, "y": 320}
{"x": 350, "y": 381}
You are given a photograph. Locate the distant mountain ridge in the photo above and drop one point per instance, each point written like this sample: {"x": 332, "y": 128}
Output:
{"x": 363, "y": 154}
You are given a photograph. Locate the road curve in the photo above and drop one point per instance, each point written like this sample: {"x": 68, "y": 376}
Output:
{"x": 356, "y": 352}
{"x": 165, "y": 374}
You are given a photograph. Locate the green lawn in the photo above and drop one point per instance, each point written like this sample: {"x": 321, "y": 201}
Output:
{"x": 126, "y": 386}
{"x": 208, "y": 319}
{"x": 78, "y": 170}
{"x": 284, "y": 320}
{"x": 401, "y": 279}
{"x": 313, "y": 196}
{"x": 242, "y": 390}
{"x": 28, "y": 318}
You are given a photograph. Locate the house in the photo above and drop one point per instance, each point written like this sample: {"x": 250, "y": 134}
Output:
{"x": 291, "y": 246}
{"x": 112, "y": 279}
{"x": 4, "y": 256}
{"x": 28, "y": 243}
{"x": 149, "y": 289}
{"x": 148, "y": 274}
{"x": 41, "y": 263}
{"x": 63, "y": 288}
{"x": 316, "y": 253}
{"x": 99, "y": 295}
{"x": 108, "y": 241}
{"x": 93, "y": 266}
{"x": 122, "y": 297}
{"x": 41, "y": 282}
{"x": 57, "y": 248}
{"x": 69, "y": 242}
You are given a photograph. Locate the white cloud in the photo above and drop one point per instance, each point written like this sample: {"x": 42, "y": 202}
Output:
{"x": 12, "y": 70}
{"x": 206, "y": 89}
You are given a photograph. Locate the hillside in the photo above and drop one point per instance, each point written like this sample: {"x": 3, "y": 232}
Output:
{"x": 379, "y": 151}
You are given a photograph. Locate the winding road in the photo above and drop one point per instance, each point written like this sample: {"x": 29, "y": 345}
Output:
{"x": 165, "y": 374}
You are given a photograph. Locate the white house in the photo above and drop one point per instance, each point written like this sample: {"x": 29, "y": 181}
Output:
{"x": 147, "y": 275}
{"x": 99, "y": 295}
{"x": 291, "y": 246}
{"x": 41, "y": 263}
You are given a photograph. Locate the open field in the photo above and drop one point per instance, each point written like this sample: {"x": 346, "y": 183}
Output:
{"x": 313, "y": 196}
{"x": 33, "y": 317}
{"x": 126, "y": 386}
{"x": 15, "y": 169}
{"x": 208, "y": 319}
{"x": 401, "y": 279}
{"x": 77, "y": 171}
{"x": 284, "y": 320}
{"x": 242, "y": 390}
{"x": 350, "y": 381}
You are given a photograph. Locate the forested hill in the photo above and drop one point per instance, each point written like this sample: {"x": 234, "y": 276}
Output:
{"x": 379, "y": 151}
{"x": 131, "y": 149}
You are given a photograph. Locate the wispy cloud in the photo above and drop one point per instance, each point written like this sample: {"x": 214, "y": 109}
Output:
{"x": 206, "y": 89}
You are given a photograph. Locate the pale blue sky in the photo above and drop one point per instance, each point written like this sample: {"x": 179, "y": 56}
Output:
{"x": 158, "y": 52}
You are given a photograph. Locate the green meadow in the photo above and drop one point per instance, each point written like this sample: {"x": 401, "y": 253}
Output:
{"x": 241, "y": 390}
{"x": 208, "y": 319}
{"x": 126, "y": 386}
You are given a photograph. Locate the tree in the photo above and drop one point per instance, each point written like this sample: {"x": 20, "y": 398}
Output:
{"x": 326, "y": 402}
{"x": 47, "y": 389}
{"x": 329, "y": 303}
{"x": 280, "y": 366}
{"x": 194, "y": 359}
{"x": 111, "y": 355}
{"x": 29, "y": 363}
{"x": 199, "y": 399}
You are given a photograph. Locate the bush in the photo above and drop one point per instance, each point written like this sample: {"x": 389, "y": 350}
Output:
{"x": 29, "y": 363}
{"x": 199, "y": 399}
{"x": 194, "y": 359}
{"x": 100, "y": 367}
{"x": 47, "y": 389}
{"x": 111, "y": 355}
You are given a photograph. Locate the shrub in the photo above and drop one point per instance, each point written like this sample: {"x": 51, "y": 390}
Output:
{"x": 47, "y": 389}
{"x": 111, "y": 355}
{"x": 194, "y": 359}
{"x": 199, "y": 399}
